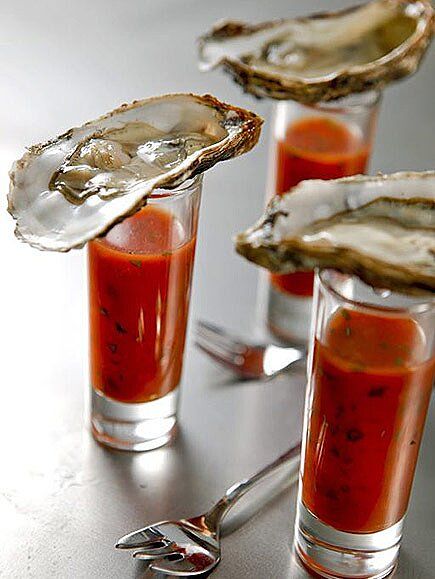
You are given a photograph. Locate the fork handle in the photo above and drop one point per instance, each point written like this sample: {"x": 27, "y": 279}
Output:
{"x": 239, "y": 489}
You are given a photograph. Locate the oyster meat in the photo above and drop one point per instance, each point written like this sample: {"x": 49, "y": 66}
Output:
{"x": 74, "y": 188}
{"x": 323, "y": 56}
{"x": 380, "y": 228}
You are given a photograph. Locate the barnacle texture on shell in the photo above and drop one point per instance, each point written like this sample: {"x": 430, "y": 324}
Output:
{"x": 381, "y": 229}
{"x": 323, "y": 56}
{"x": 75, "y": 187}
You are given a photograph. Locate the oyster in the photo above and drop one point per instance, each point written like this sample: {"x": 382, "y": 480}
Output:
{"x": 75, "y": 187}
{"x": 323, "y": 56}
{"x": 380, "y": 228}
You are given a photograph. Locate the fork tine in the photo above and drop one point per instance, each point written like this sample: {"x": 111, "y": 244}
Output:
{"x": 205, "y": 334}
{"x": 141, "y": 538}
{"x": 148, "y": 545}
{"x": 219, "y": 350}
{"x": 223, "y": 349}
{"x": 180, "y": 565}
{"x": 219, "y": 336}
{"x": 217, "y": 330}
{"x": 220, "y": 355}
{"x": 209, "y": 338}
{"x": 155, "y": 553}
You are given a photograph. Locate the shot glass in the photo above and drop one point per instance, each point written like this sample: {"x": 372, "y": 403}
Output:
{"x": 371, "y": 369}
{"x": 322, "y": 141}
{"x": 140, "y": 278}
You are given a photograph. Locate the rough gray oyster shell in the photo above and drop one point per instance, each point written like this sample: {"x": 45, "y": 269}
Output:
{"x": 74, "y": 188}
{"x": 381, "y": 229}
{"x": 323, "y": 56}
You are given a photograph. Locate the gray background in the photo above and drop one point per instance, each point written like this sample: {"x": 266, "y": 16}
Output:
{"x": 63, "y": 499}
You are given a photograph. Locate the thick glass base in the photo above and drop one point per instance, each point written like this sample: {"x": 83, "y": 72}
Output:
{"x": 288, "y": 316}
{"x": 137, "y": 427}
{"x": 336, "y": 554}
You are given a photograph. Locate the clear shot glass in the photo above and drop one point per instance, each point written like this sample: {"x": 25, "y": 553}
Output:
{"x": 140, "y": 278}
{"x": 322, "y": 141}
{"x": 371, "y": 369}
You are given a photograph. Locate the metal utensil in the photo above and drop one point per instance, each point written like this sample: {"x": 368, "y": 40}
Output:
{"x": 247, "y": 360}
{"x": 192, "y": 546}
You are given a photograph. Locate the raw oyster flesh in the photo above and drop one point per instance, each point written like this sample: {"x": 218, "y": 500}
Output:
{"x": 323, "y": 56}
{"x": 75, "y": 187}
{"x": 380, "y": 228}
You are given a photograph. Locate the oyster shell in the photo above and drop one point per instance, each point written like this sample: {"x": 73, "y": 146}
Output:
{"x": 380, "y": 228}
{"x": 75, "y": 187}
{"x": 323, "y": 56}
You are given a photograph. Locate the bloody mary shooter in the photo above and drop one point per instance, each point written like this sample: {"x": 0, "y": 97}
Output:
{"x": 323, "y": 141}
{"x": 371, "y": 370}
{"x": 317, "y": 147}
{"x": 140, "y": 276}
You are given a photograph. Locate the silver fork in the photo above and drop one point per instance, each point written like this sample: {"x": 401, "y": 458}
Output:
{"x": 246, "y": 360}
{"x": 192, "y": 546}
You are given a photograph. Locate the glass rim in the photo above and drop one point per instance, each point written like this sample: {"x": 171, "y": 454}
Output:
{"x": 419, "y": 308}
{"x": 364, "y": 101}
{"x": 187, "y": 186}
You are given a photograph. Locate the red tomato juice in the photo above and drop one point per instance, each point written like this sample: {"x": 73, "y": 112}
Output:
{"x": 315, "y": 148}
{"x": 370, "y": 393}
{"x": 139, "y": 283}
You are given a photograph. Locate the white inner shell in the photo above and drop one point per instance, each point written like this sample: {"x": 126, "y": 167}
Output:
{"x": 108, "y": 180}
{"x": 404, "y": 236}
{"x": 385, "y": 241}
{"x": 317, "y": 48}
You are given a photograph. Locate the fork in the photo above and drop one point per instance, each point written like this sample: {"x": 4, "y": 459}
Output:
{"x": 190, "y": 547}
{"x": 247, "y": 360}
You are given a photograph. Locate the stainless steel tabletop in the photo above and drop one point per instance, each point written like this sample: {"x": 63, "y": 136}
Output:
{"x": 63, "y": 499}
